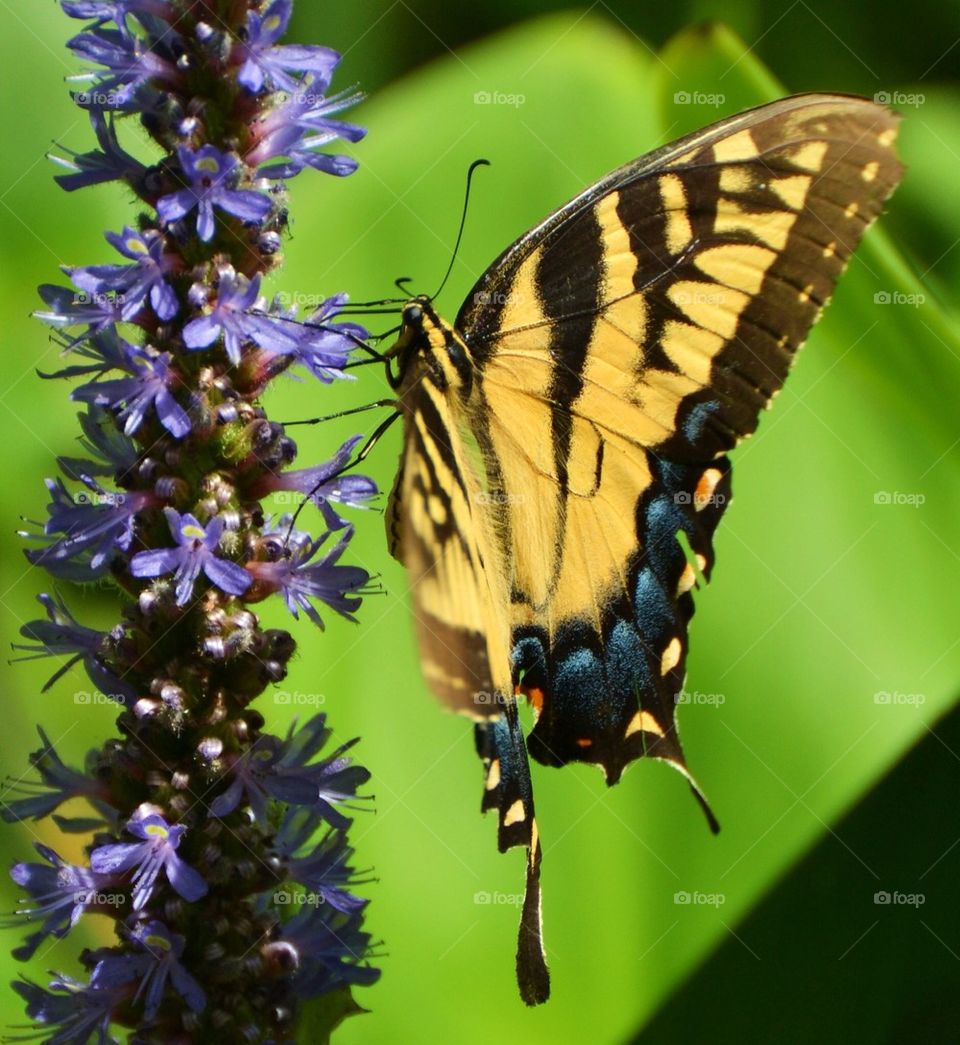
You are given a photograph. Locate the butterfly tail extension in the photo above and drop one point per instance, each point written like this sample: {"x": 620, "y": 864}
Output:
{"x": 508, "y": 790}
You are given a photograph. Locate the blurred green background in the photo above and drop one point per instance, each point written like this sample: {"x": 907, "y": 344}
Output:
{"x": 826, "y": 647}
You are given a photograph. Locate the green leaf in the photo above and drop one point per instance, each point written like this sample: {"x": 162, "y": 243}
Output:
{"x": 320, "y": 1017}
{"x": 860, "y": 941}
{"x": 822, "y": 598}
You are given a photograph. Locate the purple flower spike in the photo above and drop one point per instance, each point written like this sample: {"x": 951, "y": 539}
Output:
{"x": 70, "y": 1011}
{"x": 101, "y": 522}
{"x": 318, "y": 343}
{"x": 282, "y": 770}
{"x": 191, "y": 813}
{"x": 195, "y": 553}
{"x": 109, "y": 163}
{"x": 128, "y": 66}
{"x": 211, "y": 173}
{"x": 58, "y": 784}
{"x": 115, "y": 11}
{"x": 297, "y": 129}
{"x": 61, "y": 633}
{"x": 155, "y": 853}
{"x": 266, "y": 64}
{"x": 60, "y": 893}
{"x": 236, "y": 295}
{"x": 302, "y": 582}
{"x": 134, "y": 285}
{"x": 132, "y": 397}
{"x": 156, "y": 965}
{"x": 326, "y": 484}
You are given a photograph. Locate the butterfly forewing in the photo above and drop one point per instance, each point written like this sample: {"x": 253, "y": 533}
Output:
{"x": 625, "y": 345}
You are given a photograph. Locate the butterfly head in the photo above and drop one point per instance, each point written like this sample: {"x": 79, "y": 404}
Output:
{"x": 429, "y": 347}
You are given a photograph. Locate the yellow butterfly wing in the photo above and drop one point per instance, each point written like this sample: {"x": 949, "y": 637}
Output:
{"x": 621, "y": 348}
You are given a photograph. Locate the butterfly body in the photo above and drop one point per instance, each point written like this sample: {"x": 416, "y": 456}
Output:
{"x": 575, "y": 419}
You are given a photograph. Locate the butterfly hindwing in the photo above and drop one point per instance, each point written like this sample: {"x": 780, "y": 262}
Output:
{"x": 508, "y": 789}
{"x": 434, "y": 529}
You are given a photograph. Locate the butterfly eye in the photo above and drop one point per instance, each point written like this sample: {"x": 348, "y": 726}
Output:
{"x": 413, "y": 315}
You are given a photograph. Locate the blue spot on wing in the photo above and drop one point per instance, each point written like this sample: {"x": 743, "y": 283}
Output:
{"x": 655, "y": 615}
{"x": 628, "y": 669}
{"x": 580, "y": 693}
{"x": 697, "y": 420}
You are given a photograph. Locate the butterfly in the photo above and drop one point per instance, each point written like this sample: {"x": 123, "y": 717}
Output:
{"x": 573, "y": 423}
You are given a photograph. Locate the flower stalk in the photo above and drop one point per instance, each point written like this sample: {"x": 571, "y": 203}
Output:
{"x": 219, "y": 851}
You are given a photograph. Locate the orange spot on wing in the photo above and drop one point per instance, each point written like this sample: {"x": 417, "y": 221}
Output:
{"x": 584, "y": 742}
{"x": 534, "y": 696}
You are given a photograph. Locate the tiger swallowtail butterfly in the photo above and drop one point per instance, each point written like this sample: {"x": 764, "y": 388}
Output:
{"x": 575, "y": 419}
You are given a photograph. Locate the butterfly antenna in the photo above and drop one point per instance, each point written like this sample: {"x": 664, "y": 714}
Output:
{"x": 463, "y": 222}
